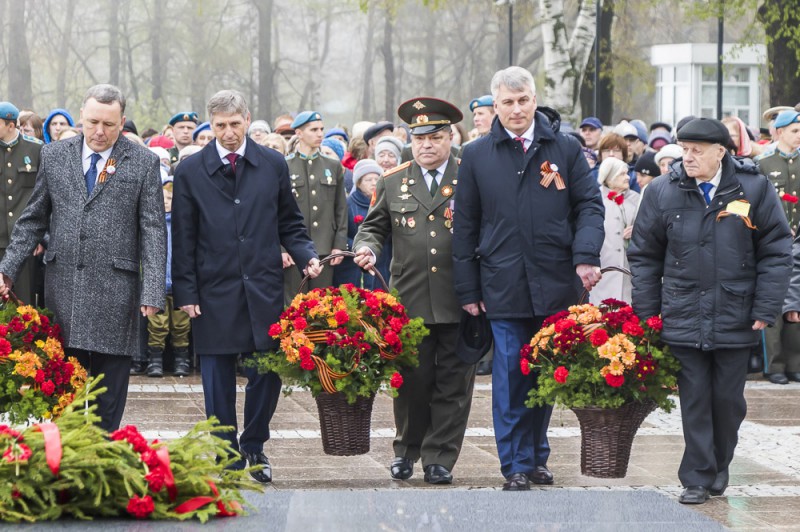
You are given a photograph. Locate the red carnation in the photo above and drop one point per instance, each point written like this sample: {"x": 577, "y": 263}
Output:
{"x": 598, "y": 337}
{"x": 789, "y": 198}
{"x": 524, "y": 366}
{"x": 141, "y": 507}
{"x": 156, "y": 479}
{"x": 5, "y": 347}
{"x": 275, "y": 330}
{"x": 563, "y": 325}
{"x": 307, "y": 364}
{"x": 3, "y": 330}
{"x": 619, "y": 199}
{"x": 39, "y": 378}
{"x": 341, "y": 317}
{"x": 632, "y": 328}
{"x": 615, "y": 381}
{"x": 300, "y": 324}
{"x": 655, "y": 323}
{"x": 396, "y": 381}
{"x": 24, "y": 453}
{"x": 45, "y": 321}
{"x": 358, "y": 218}
{"x": 305, "y": 351}
{"x": 612, "y": 195}
{"x": 48, "y": 388}
{"x": 560, "y": 374}
{"x": 150, "y": 458}
{"x": 28, "y": 338}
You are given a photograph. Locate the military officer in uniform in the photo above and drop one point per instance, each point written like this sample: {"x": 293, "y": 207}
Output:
{"x": 183, "y": 125}
{"x": 19, "y": 163}
{"x": 318, "y": 186}
{"x": 482, "y": 113}
{"x": 782, "y": 168}
{"x": 414, "y": 204}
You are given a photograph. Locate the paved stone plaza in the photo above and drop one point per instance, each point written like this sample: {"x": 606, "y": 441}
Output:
{"x": 764, "y": 493}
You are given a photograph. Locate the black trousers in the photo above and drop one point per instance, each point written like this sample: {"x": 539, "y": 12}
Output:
{"x": 711, "y": 386}
{"x": 433, "y": 404}
{"x": 260, "y": 399}
{"x": 116, "y": 373}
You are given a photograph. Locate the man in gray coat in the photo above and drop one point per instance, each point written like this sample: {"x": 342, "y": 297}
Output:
{"x": 99, "y": 196}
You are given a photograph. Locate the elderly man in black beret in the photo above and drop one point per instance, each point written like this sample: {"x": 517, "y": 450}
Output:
{"x": 711, "y": 253}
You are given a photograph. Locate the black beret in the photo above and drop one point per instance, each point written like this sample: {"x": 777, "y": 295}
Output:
{"x": 373, "y": 130}
{"x": 646, "y": 164}
{"x": 474, "y": 337}
{"x": 705, "y": 130}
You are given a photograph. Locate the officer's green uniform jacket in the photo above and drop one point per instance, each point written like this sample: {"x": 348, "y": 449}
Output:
{"x": 318, "y": 187}
{"x": 421, "y": 231}
{"x": 784, "y": 172}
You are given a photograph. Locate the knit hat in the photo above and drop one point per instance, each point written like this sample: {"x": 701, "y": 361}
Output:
{"x": 390, "y": 143}
{"x": 646, "y": 164}
{"x": 336, "y": 146}
{"x": 670, "y": 150}
{"x": 364, "y": 167}
{"x": 337, "y": 131}
{"x": 259, "y": 125}
{"x": 161, "y": 141}
{"x": 609, "y": 168}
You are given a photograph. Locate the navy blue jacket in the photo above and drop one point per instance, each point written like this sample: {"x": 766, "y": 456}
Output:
{"x": 515, "y": 242}
{"x": 226, "y": 246}
{"x": 710, "y": 276}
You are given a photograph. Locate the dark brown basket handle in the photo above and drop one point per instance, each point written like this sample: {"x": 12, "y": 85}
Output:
{"x": 370, "y": 268}
{"x": 585, "y": 293}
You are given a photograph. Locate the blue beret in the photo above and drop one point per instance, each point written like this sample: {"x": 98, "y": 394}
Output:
{"x": 205, "y": 126}
{"x": 304, "y": 118}
{"x": 337, "y": 131}
{"x": 8, "y": 111}
{"x": 187, "y": 116}
{"x": 483, "y": 101}
{"x": 785, "y": 118}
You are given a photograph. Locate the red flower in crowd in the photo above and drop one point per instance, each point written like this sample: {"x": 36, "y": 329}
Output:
{"x": 616, "y": 197}
{"x": 615, "y": 381}
{"x": 8, "y": 431}
{"x": 300, "y": 323}
{"x": 5, "y": 347}
{"x": 598, "y": 337}
{"x": 48, "y": 388}
{"x": 275, "y": 329}
{"x": 342, "y": 317}
{"x": 563, "y": 325}
{"x": 155, "y": 479}
{"x": 396, "y": 381}
{"x": 789, "y": 198}
{"x": 150, "y": 458}
{"x": 307, "y": 364}
{"x": 555, "y": 317}
{"x": 655, "y": 323}
{"x": 632, "y": 328}
{"x": 524, "y": 366}
{"x": 22, "y": 454}
{"x": 358, "y": 218}
{"x": 560, "y": 374}
{"x": 141, "y": 507}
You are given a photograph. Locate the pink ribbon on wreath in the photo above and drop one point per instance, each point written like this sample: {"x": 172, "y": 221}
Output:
{"x": 198, "y": 502}
{"x": 52, "y": 445}
{"x": 162, "y": 453}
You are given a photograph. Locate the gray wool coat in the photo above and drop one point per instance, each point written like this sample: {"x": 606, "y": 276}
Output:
{"x": 107, "y": 253}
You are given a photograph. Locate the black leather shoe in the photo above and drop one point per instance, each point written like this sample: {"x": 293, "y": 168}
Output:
{"x": 402, "y": 468}
{"x": 437, "y": 474}
{"x": 542, "y": 475}
{"x": 263, "y": 471}
{"x": 720, "y": 483}
{"x": 138, "y": 367}
{"x": 484, "y": 367}
{"x": 776, "y": 378}
{"x": 693, "y": 495}
{"x": 517, "y": 482}
{"x": 793, "y": 376}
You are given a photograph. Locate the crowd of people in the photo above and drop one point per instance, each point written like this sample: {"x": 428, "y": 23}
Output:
{"x": 512, "y": 219}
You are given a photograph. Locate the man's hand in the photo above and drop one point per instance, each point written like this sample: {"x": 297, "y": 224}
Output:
{"x": 287, "y": 260}
{"x": 39, "y": 250}
{"x": 628, "y": 232}
{"x": 147, "y": 310}
{"x": 313, "y": 269}
{"x": 337, "y": 260}
{"x": 364, "y": 257}
{"x": 192, "y": 310}
{"x": 5, "y": 284}
{"x": 590, "y": 275}
{"x": 759, "y": 325}
{"x": 792, "y": 316}
{"x": 474, "y": 308}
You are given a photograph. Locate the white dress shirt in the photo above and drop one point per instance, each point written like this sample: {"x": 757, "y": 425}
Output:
{"x": 223, "y": 152}
{"x": 527, "y": 136}
{"x": 86, "y": 158}
{"x": 714, "y": 181}
{"x": 440, "y": 173}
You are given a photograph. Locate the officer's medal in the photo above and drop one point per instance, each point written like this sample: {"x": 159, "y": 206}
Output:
{"x": 27, "y": 162}
{"x": 448, "y": 218}
{"x": 404, "y": 186}
{"x": 328, "y": 176}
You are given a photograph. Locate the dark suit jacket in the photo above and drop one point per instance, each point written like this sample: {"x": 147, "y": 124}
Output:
{"x": 226, "y": 248}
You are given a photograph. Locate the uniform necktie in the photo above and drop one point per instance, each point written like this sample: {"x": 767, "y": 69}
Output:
{"x": 232, "y": 158}
{"x": 522, "y": 143}
{"x": 91, "y": 173}
{"x": 706, "y": 188}
{"x": 434, "y": 183}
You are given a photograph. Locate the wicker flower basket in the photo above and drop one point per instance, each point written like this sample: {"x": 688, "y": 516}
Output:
{"x": 345, "y": 427}
{"x": 607, "y": 436}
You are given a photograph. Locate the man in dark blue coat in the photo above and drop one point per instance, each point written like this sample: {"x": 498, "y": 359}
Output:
{"x": 711, "y": 253}
{"x": 528, "y": 232}
{"x": 232, "y": 211}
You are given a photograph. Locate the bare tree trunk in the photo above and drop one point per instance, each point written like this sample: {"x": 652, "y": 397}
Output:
{"x": 63, "y": 55}
{"x": 128, "y": 51}
{"x": 782, "y": 52}
{"x": 388, "y": 67}
{"x": 20, "y": 90}
{"x": 430, "y": 58}
{"x": 605, "y": 81}
{"x": 156, "y": 68}
{"x": 113, "y": 42}
{"x": 197, "y": 81}
{"x": 265, "y": 70}
{"x": 366, "y": 86}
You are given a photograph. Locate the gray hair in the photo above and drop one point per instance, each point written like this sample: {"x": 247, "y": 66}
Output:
{"x": 106, "y": 94}
{"x": 515, "y": 78}
{"x": 227, "y": 102}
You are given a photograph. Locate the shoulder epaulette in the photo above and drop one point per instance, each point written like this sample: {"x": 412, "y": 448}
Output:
{"x": 32, "y": 139}
{"x": 396, "y": 169}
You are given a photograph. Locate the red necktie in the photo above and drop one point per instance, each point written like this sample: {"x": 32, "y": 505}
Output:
{"x": 522, "y": 142}
{"x": 232, "y": 158}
